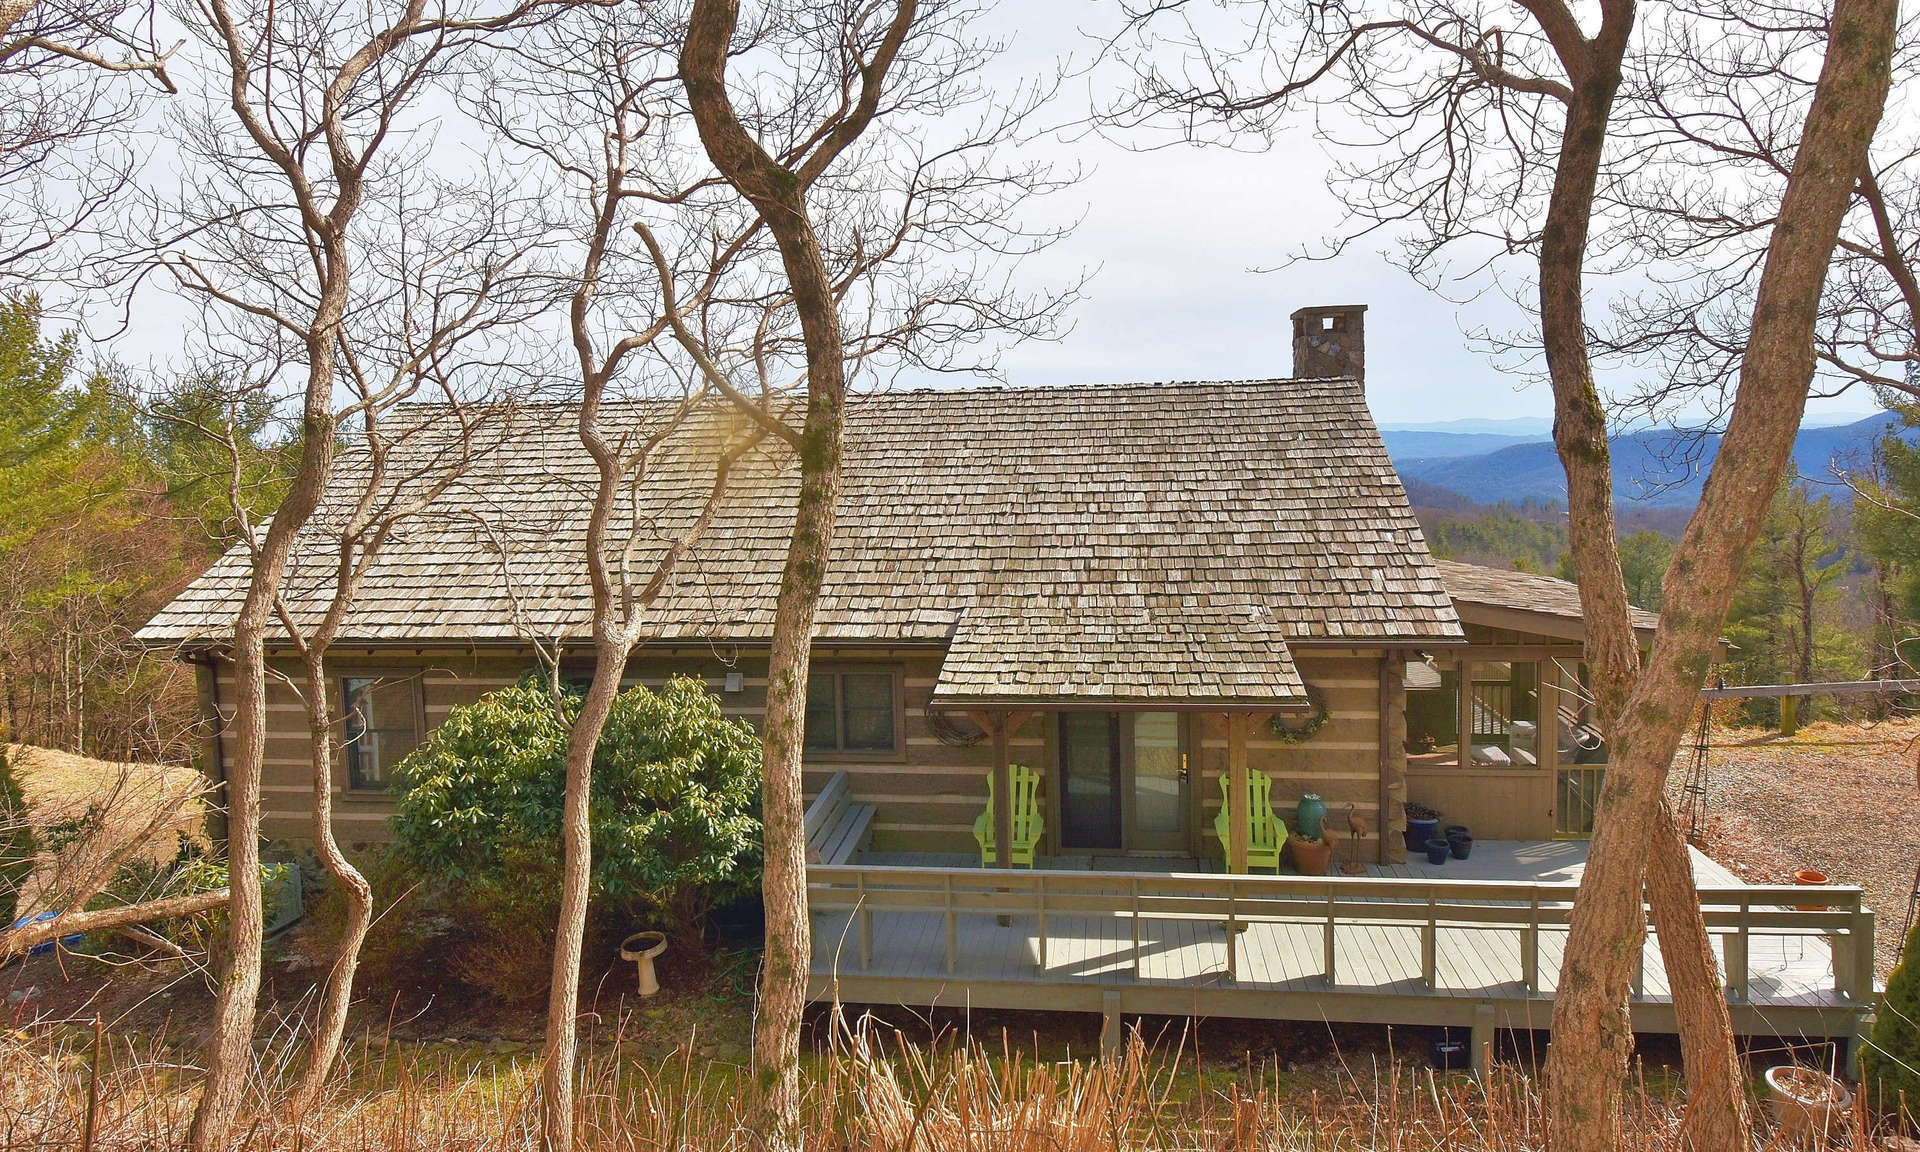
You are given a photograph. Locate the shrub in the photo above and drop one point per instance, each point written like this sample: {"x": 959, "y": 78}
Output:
{"x": 17, "y": 845}
{"x": 675, "y": 825}
{"x": 1890, "y": 1061}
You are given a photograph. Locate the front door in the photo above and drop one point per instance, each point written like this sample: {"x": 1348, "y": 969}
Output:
{"x": 1158, "y": 821}
{"x": 1123, "y": 782}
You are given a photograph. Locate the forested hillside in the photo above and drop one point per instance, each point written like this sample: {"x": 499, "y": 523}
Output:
{"x": 1655, "y": 468}
{"x": 107, "y": 506}
{"x": 1832, "y": 591}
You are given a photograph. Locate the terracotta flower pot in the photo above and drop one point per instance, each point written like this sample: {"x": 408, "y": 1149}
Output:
{"x": 1310, "y": 857}
{"x": 1809, "y": 878}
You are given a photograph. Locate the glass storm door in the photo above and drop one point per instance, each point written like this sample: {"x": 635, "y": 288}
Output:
{"x": 1159, "y": 816}
{"x": 1090, "y": 781}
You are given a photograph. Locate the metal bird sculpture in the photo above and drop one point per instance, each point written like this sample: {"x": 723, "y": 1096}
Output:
{"x": 1359, "y": 829}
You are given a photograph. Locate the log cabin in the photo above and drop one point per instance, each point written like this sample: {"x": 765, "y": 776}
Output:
{"x": 1145, "y": 594}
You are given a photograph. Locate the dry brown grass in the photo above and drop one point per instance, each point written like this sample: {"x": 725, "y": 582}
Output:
{"x": 875, "y": 1092}
{"x": 94, "y": 816}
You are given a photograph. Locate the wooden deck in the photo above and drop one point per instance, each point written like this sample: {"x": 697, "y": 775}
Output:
{"x": 1472, "y": 943}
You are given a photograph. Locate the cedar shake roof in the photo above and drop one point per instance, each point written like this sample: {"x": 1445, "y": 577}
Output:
{"x": 1523, "y": 592}
{"x": 1112, "y": 542}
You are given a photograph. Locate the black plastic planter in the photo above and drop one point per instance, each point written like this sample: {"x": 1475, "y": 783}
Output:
{"x": 1437, "y": 851}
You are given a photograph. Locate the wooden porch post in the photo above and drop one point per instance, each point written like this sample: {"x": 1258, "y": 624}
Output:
{"x": 1000, "y": 728}
{"x": 1392, "y": 673}
{"x": 1463, "y": 722}
{"x": 1002, "y": 737}
{"x": 1239, "y": 814}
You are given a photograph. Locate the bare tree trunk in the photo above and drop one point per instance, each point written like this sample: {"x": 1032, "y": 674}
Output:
{"x": 1717, "y": 1118}
{"x": 576, "y": 840}
{"x": 1589, "y": 1024}
{"x": 230, "y": 1056}
{"x": 780, "y": 197}
{"x": 1804, "y": 663}
{"x": 1612, "y": 651}
{"x": 789, "y": 943}
{"x": 1717, "y": 1115}
{"x": 336, "y": 997}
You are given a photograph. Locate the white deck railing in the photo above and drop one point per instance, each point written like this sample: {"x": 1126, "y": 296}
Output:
{"x": 1432, "y": 906}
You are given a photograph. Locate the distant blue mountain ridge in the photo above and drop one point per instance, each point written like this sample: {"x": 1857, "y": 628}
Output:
{"x": 1657, "y": 467}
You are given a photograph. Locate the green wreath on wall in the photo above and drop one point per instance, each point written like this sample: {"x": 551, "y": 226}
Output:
{"x": 1300, "y": 731}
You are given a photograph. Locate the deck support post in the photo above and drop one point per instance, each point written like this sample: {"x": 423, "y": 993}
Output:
{"x": 1113, "y": 1034}
{"x": 1482, "y": 1040}
{"x": 1240, "y": 815}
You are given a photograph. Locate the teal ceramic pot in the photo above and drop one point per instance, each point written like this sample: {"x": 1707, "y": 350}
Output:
{"x": 1311, "y": 815}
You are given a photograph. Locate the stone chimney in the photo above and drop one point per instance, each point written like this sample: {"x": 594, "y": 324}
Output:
{"x": 1330, "y": 340}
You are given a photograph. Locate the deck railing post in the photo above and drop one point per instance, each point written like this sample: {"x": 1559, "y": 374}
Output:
{"x": 866, "y": 926}
{"x": 1430, "y": 944}
{"x": 1332, "y": 977}
{"x": 1040, "y": 914}
{"x": 1133, "y": 892}
{"x": 1736, "y": 950}
{"x": 1530, "y": 946}
{"x": 1233, "y": 933}
{"x": 952, "y": 926}
{"x": 1861, "y": 991}
{"x": 1640, "y": 971}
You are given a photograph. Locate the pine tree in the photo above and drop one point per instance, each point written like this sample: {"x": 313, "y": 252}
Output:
{"x": 16, "y": 841}
{"x": 1890, "y": 1062}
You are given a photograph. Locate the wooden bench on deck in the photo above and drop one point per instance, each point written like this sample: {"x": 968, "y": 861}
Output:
{"x": 836, "y": 826}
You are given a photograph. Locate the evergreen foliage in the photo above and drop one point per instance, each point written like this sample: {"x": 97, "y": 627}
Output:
{"x": 105, "y": 509}
{"x": 1784, "y": 623}
{"x": 1890, "y": 1060}
{"x": 17, "y": 844}
{"x": 1506, "y": 537}
{"x": 675, "y": 795}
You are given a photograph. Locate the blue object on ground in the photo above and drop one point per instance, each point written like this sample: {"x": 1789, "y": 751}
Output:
{"x": 1437, "y": 851}
{"x": 43, "y": 949}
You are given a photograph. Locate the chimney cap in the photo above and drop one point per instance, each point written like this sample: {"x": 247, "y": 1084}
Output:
{"x": 1326, "y": 309}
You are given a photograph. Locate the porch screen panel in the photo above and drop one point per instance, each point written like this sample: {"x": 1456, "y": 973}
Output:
{"x": 1090, "y": 781}
{"x": 1433, "y": 715}
{"x": 1505, "y": 713}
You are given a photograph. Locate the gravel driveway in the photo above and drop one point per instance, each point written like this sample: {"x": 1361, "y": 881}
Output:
{"x": 1837, "y": 798}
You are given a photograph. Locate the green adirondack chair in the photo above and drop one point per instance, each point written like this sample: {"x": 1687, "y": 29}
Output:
{"x": 1268, "y": 833}
{"x": 1027, "y": 822}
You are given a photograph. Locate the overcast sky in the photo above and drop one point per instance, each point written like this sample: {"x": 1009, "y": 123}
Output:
{"x": 1179, "y": 236}
{"x": 1174, "y": 240}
